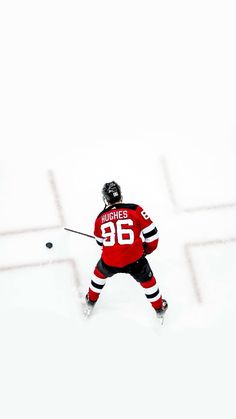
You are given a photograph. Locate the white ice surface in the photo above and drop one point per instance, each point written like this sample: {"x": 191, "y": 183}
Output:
{"x": 142, "y": 93}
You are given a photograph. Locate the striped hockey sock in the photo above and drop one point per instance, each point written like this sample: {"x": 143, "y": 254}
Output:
{"x": 152, "y": 292}
{"x": 96, "y": 285}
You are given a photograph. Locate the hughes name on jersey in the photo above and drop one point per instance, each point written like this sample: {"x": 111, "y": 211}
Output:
{"x": 125, "y": 233}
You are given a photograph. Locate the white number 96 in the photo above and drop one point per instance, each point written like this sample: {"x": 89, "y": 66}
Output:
{"x": 117, "y": 228}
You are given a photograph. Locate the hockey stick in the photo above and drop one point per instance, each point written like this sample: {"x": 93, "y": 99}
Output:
{"x": 79, "y": 232}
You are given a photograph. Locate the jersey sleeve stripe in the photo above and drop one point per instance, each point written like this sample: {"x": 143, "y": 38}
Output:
{"x": 152, "y": 239}
{"x": 150, "y": 234}
{"x": 149, "y": 228}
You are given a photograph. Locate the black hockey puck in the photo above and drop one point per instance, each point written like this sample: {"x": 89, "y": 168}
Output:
{"x": 49, "y": 245}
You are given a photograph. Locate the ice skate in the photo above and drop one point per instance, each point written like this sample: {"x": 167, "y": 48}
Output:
{"x": 89, "y": 306}
{"x": 160, "y": 312}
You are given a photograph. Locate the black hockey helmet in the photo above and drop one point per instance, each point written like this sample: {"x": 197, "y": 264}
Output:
{"x": 111, "y": 193}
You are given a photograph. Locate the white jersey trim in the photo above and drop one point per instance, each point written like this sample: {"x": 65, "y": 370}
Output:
{"x": 152, "y": 238}
{"x": 149, "y": 228}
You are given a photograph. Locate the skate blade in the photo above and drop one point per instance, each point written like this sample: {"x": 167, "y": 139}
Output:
{"x": 161, "y": 318}
{"x": 87, "y": 312}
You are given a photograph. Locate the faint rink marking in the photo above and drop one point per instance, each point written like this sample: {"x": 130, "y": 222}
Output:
{"x": 56, "y": 196}
{"x": 172, "y": 195}
{"x": 190, "y": 245}
{"x": 50, "y": 263}
{"x": 71, "y": 262}
{"x": 192, "y": 271}
{"x": 29, "y": 230}
{"x": 57, "y": 201}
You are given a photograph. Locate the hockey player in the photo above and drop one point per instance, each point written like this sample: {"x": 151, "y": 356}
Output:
{"x": 118, "y": 230}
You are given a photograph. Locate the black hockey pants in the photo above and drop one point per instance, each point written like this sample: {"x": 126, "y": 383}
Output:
{"x": 139, "y": 270}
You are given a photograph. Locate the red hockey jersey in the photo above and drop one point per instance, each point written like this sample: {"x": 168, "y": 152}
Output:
{"x": 125, "y": 233}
